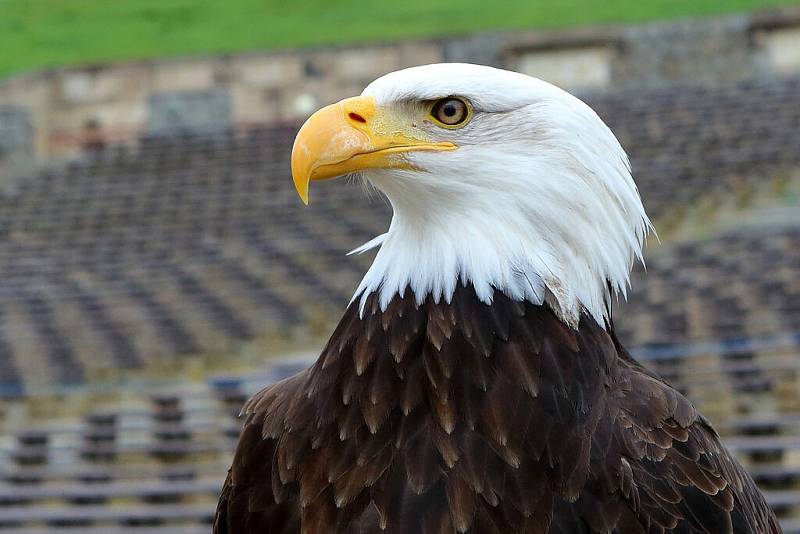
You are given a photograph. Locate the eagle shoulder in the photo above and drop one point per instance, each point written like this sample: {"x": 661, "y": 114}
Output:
{"x": 253, "y": 497}
{"x": 670, "y": 467}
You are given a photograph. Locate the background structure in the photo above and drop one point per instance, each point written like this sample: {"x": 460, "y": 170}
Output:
{"x": 156, "y": 267}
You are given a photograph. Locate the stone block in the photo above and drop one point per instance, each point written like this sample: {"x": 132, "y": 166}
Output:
{"x": 16, "y": 132}
{"x": 189, "y": 111}
{"x": 268, "y": 72}
{"x": 782, "y": 49}
{"x": 572, "y": 68}
{"x": 365, "y": 64}
{"x": 124, "y": 118}
{"x": 182, "y": 75}
{"x": 99, "y": 85}
{"x": 254, "y": 104}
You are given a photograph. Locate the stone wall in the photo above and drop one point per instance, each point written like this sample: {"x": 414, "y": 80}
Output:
{"x": 68, "y": 108}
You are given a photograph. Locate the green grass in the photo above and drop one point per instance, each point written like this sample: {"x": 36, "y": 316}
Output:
{"x": 47, "y": 33}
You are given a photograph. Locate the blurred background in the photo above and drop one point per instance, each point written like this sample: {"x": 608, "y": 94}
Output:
{"x": 156, "y": 266}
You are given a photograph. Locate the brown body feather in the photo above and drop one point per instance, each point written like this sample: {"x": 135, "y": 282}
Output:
{"x": 466, "y": 417}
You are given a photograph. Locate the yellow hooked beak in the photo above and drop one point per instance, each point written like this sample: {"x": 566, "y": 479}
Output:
{"x": 350, "y": 136}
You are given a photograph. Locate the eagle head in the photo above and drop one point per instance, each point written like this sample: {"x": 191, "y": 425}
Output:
{"x": 496, "y": 179}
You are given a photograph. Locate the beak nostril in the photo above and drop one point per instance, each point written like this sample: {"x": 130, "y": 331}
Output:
{"x": 356, "y": 117}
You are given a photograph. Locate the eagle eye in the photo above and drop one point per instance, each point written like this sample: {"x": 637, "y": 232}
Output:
{"x": 451, "y": 112}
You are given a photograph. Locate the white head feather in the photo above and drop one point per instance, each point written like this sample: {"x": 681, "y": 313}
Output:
{"x": 537, "y": 201}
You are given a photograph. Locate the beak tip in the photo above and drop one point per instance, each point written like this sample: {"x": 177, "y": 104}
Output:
{"x": 301, "y": 186}
{"x": 303, "y": 194}
{"x": 301, "y": 183}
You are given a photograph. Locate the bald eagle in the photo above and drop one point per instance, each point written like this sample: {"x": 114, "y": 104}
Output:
{"x": 475, "y": 382}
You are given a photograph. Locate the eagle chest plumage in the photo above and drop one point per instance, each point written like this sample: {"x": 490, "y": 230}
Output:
{"x": 469, "y": 417}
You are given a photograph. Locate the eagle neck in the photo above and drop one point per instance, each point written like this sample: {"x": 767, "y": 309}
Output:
{"x": 498, "y": 247}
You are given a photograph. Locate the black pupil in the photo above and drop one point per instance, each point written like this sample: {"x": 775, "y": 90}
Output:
{"x": 449, "y": 110}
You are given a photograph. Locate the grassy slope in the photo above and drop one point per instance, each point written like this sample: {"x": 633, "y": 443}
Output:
{"x": 44, "y": 33}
